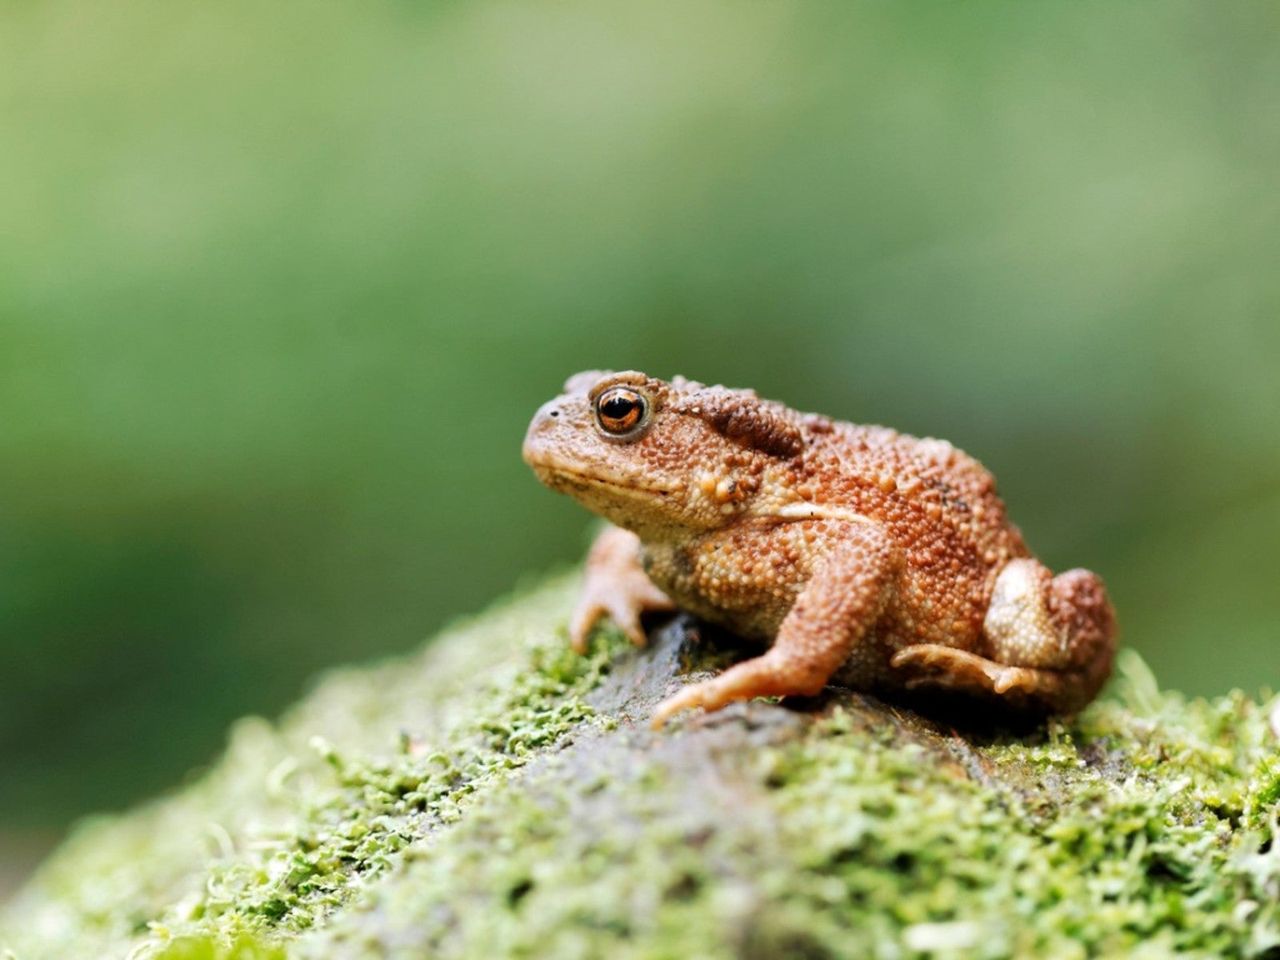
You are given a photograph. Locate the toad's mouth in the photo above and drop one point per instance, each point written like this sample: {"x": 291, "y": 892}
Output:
{"x": 562, "y": 476}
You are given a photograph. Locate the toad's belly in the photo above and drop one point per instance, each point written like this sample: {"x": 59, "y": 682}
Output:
{"x": 755, "y": 618}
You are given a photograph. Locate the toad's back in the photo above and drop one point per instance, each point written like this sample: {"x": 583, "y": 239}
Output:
{"x": 939, "y": 504}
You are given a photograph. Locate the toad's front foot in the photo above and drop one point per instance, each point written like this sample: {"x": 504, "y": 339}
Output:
{"x": 696, "y": 695}
{"x": 766, "y": 676}
{"x": 615, "y": 586}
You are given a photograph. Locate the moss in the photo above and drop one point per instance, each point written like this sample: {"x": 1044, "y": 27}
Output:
{"x": 210, "y": 948}
{"x": 496, "y": 796}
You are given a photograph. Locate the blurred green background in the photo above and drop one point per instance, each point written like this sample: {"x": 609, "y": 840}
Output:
{"x": 281, "y": 284}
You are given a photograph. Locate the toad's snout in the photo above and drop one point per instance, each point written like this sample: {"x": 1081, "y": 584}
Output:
{"x": 543, "y": 430}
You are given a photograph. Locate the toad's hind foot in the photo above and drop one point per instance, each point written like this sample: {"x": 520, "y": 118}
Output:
{"x": 935, "y": 665}
{"x": 1050, "y": 642}
{"x": 1030, "y": 689}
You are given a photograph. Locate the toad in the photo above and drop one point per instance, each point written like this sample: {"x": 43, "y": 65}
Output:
{"x": 867, "y": 557}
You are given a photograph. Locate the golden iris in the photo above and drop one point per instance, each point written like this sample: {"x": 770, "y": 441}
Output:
{"x": 620, "y": 410}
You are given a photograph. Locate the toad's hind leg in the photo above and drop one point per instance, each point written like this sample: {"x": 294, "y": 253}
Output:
{"x": 1050, "y": 642}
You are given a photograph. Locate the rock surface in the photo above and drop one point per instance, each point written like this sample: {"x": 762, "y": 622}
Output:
{"x": 497, "y": 796}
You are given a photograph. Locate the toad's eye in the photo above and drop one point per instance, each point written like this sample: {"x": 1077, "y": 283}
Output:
{"x": 621, "y": 411}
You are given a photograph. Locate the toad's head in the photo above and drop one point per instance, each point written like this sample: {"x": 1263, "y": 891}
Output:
{"x": 661, "y": 459}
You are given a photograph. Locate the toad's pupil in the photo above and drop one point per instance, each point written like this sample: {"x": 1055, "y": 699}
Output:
{"x": 619, "y": 407}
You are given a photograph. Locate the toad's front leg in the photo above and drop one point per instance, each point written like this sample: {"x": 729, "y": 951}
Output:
{"x": 834, "y": 611}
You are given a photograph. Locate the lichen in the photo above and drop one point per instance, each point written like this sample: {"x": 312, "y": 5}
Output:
{"x": 498, "y": 796}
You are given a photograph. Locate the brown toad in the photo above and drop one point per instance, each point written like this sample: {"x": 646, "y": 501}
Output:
{"x": 880, "y": 559}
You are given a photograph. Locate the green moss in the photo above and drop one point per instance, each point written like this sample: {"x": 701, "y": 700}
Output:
{"x": 207, "y": 948}
{"x": 851, "y": 836}
{"x": 472, "y": 802}
{"x": 295, "y": 817}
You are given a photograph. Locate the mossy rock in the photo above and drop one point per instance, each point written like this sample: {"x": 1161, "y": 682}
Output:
{"x": 497, "y": 796}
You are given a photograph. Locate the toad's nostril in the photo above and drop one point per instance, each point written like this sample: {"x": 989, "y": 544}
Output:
{"x": 555, "y": 413}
